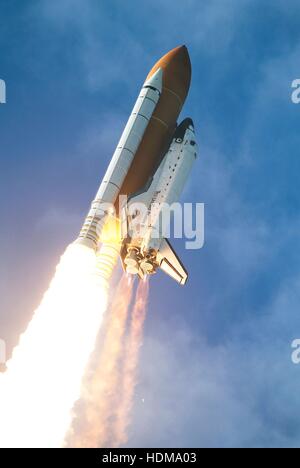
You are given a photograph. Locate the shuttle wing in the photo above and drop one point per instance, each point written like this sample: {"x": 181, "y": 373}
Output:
{"x": 170, "y": 263}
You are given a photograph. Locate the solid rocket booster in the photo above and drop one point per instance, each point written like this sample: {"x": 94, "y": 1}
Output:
{"x": 122, "y": 159}
{"x": 153, "y": 156}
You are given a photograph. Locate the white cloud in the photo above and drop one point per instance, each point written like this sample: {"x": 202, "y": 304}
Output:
{"x": 235, "y": 393}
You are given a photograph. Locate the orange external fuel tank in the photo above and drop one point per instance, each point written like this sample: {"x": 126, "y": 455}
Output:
{"x": 176, "y": 67}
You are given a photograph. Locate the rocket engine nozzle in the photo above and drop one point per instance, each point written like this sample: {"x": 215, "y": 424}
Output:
{"x": 147, "y": 267}
{"x": 132, "y": 261}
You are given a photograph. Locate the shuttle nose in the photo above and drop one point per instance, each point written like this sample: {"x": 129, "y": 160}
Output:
{"x": 182, "y": 128}
{"x": 188, "y": 123}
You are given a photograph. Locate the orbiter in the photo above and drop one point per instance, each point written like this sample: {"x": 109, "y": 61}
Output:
{"x": 150, "y": 165}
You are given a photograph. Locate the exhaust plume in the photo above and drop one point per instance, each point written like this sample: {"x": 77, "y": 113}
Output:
{"x": 100, "y": 389}
{"x": 130, "y": 366}
{"x": 43, "y": 377}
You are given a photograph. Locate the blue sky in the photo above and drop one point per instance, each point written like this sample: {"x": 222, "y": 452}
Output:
{"x": 215, "y": 364}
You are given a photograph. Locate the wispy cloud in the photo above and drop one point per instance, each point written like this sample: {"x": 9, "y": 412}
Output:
{"x": 238, "y": 392}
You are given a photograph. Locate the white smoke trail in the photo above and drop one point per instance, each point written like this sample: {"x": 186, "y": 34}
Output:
{"x": 43, "y": 378}
{"x": 130, "y": 366}
{"x": 100, "y": 393}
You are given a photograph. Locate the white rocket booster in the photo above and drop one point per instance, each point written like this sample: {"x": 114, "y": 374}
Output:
{"x": 121, "y": 160}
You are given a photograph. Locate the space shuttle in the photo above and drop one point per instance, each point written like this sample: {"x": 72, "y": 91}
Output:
{"x": 149, "y": 168}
